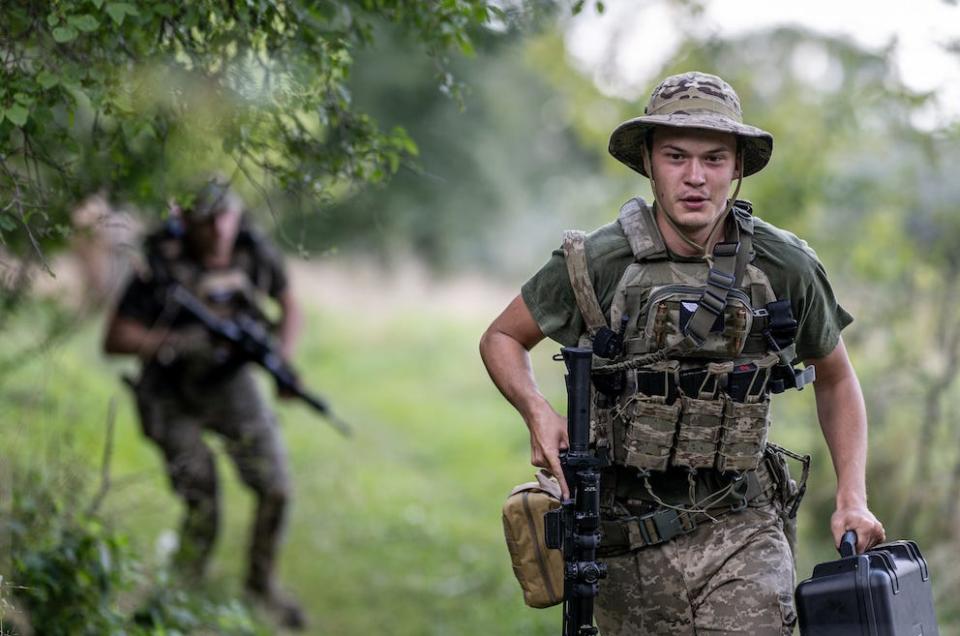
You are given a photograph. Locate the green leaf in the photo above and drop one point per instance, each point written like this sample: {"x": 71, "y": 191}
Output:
{"x": 119, "y": 10}
{"x": 164, "y": 9}
{"x": 6, "y": 223}
{"x": 53, "y": 19}
{"x": 97, "y": 3}
{"x": 46, "y": 79}
{"x": 64, "y": 34}
{"x": 17, "y": 115}
{"x": 85, "y": 22}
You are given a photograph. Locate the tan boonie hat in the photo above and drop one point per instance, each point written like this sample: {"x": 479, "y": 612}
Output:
{"x": 692, "y": 100}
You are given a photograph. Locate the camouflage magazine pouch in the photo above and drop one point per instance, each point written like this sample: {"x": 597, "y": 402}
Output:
{"x": 744, "y": 435}
{"x": 538, "y": 569}
{"x": 649, "y": 426}
{"x": 698, "y": 432}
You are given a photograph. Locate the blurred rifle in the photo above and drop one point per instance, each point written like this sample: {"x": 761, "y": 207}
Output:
{"x": 575, "y": 526}
{"x": 252, "y": 343}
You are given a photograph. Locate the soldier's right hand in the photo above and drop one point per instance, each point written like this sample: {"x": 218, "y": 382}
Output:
{"x": 548, "y": 436}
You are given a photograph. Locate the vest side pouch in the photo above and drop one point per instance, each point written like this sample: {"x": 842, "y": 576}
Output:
{"x": 744, "y": 435}
{"x": 649, "y": 426}
{"x": 538, "y": 569}
{"x": 698, "y": 432}
{"x": 670, "y": 307}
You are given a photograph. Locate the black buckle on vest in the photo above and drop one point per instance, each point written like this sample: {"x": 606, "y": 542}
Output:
{"x": 781, "y": 325}
{"x": 784, "y": 377}
{"x": 663, "y": 525}
{"x": 607, "y": 343}
{"x": 730, "y": 248}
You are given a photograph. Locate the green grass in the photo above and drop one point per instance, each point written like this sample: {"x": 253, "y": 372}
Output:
{"x": 394, "y": 531}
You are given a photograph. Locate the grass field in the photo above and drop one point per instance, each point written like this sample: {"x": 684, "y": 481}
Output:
{"x": 394, "y": 531}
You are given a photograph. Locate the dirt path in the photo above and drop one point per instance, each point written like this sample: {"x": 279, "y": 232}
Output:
{"x": 409, "y": 286}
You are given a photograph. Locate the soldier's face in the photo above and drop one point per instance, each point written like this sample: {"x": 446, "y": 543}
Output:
{"x": 216, "y": 234}
{"x": 693, "y": 169}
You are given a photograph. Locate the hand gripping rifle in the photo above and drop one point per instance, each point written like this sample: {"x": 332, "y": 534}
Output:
{"x": 253, "y": 344}
{"x": 575, "y": 526}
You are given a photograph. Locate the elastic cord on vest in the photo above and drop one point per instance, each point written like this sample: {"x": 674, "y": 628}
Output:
{"x": 647, "y": 154}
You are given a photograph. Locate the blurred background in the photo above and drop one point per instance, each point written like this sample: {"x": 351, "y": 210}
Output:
{"x": 417, "y": 162}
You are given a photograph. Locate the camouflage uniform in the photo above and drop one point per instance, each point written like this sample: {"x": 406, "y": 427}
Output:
{"x": 733, "y": 576}
{"x": 181, "y": 401}
{"x": 731, "y": 571}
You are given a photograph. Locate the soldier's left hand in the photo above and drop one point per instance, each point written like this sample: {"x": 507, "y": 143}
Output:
{"x": 858, "y": 518}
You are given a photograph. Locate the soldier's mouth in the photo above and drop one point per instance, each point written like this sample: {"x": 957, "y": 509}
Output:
{"x": 694, "y": 203}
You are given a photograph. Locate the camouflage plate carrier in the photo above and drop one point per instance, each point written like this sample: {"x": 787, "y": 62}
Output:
{"x": 683, "y": 378}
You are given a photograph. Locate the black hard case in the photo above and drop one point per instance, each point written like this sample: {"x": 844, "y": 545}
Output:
{"x": 883, "y": 592}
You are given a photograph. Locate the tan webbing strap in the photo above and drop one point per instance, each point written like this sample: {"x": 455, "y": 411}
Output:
{"x": 639, "y": 225}
{"x": 575, "y": 255}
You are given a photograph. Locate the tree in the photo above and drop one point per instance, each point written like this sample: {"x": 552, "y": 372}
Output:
{"x": 141, "y": 97}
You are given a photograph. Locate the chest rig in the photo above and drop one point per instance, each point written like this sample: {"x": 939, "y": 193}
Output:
{"x": 226, "y": 291}
{"x": 684, "y": 368}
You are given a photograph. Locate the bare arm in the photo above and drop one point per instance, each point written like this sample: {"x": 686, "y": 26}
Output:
{"x": 291, "y": 323}
{"x": 843, "y": 419}
{"x": 128, "y": 336}
{"x": 505, "y": 348}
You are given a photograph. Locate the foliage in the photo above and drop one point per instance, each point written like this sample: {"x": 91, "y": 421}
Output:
{"x": 139, "y": 98}
{"x": 508, "y": 158}
{"x": 69, "y": 572}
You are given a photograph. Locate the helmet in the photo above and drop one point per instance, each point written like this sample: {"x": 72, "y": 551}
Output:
{"x": 214, "y": 197}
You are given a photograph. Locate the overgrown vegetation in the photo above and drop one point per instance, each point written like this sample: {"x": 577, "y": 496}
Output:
{"x": 69, "y": 571}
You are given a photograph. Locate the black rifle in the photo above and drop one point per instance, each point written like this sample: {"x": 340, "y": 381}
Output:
{"x": 575, "y": 526}
{"x": 252, "y": 343}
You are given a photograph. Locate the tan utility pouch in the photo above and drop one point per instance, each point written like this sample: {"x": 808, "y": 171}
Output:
{"x": 538, "y": 569}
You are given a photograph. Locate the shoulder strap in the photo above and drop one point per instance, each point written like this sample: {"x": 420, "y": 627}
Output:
{"x": 637, "y": 221}
{"x": 575, "y": 255}
{"x": 743, "y": 218}
{"x": 730, "y": 260}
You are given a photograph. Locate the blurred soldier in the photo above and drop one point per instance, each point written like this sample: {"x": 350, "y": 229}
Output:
{"x": 696, "y": 311}
{"x": 186, "y": 388}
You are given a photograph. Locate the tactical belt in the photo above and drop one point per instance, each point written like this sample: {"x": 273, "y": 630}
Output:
{"x": 654, "y": 524}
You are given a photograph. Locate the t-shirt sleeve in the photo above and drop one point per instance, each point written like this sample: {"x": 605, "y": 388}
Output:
{"x": 820, "y": 317}
{"x": 796, "y": 273}
{"x": 271, "y": 274}
{"x": 139, "y": 301}
{"x": 549, "y": 295}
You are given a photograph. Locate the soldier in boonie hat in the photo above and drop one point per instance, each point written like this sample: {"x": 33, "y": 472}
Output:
{"x": 697, "y": 313}
{"x": 692, "y": 100}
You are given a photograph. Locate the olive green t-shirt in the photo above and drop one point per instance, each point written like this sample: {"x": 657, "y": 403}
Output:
{"x": 792, "y": 267}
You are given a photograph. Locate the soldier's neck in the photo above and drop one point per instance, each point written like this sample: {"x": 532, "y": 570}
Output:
{"x": 679, "y": 247}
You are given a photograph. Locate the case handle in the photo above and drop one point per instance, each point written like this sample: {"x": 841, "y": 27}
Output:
{"x": 848, "y": 544}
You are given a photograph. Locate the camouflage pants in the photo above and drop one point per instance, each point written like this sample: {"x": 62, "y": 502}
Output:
{"x": 235, "y": 410}
{"x": 734, "y": 576}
